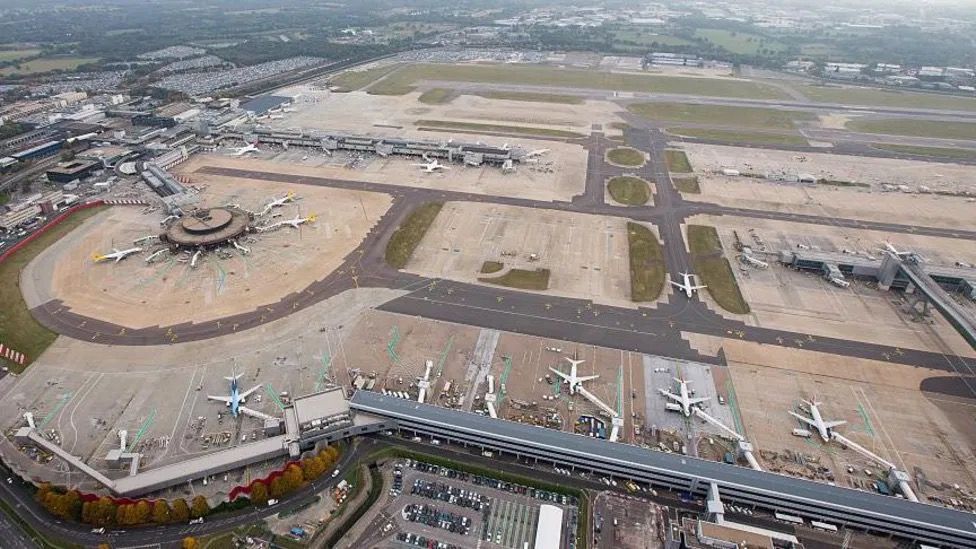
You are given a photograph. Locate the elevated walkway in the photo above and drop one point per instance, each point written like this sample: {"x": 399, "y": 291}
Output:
{"x": 960, "y": 318}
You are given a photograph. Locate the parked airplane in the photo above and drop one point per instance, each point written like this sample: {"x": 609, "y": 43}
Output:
{"x": 683, "y": 400}
{"x": 298, "y": 220}
{"x": 431, "y": 166}
{"x": 825, "y": 428}
{"x": 236, "y": 399}
{"x": 574, "y": 380}
{"x": 241, "y": 151}
{"x": 688, "y": 286}
{"x": 116, "y": 254}
{"x": 890, "y": 248}
{"x": 535, "y": 153}
{"x": 278, "y": 202}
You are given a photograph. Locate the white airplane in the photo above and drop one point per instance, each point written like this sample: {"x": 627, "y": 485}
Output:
{"x": 241, "y": 151}
{"x": 890, "y": 248}
{"x": 683, "y": 400}
{"x": 278, "y": 202}
{"x": 431, "y": 166}
{"x": 535, "y": 153}
{"x": 236, "y": 399}
{"x": 116, "y": 254}
{"x": 825, "y": 428}
{"x": 575, "y": 381}
{"x": 688, "y": 286}
{"x": 298, "y": 221}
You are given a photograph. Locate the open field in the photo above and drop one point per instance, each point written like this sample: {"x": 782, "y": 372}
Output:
{"x": 137, "y": 294}
{"x": 936, "y": 152}
{"x": 687, "y": 184}
{"x": 629, "y": 190}
{"x": 47, "y": 64}
{"x": 20, "y": 331}
{"x": 923, "y": 434}
{"x": 646, "y": 263}
{"x": 436, "y": 96}
{"x": 625, "y": 156}
{"x": 643, "y": 37}
{"x": 714, "y": 269}
{"x": 721, "y": 115}
{"x": 406, "y": 238}
{"x": 916, "y": 128}
{"x": 496, "y": 128}
{"x": 677, "y": 161}
{"x": 586, "y": 255}
{"x": 359, "y": 78}
{"x": 759, "y": 138}
{"x": 531, "y": 97}
{"x": 404, "y": 80}
{"x": 782, "y": 298}
{"x": 877, "y": 97}
{"x": 13, "y": 55}
{"x": 741, "y": 43}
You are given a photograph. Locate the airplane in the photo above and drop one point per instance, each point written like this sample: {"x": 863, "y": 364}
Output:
{"x": 278, "y": 202}
{"x": 241, "y": 151}
{"x": 825, "y": 428}
{"x": 236, "y": 399}
{"x": 431, "y": 166}
{"x": 116, "y": 254}
{"x": 295, "y": 223}
{"x": 688, "y": 286}
{"x": 683, "y": 400}
{"x": 575, "y": 381}
{"x": 535, "y": 153}
{"x": 890, "y": 248}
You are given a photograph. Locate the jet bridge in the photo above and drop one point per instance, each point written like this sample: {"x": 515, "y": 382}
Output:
{"x": 921, "y": 281}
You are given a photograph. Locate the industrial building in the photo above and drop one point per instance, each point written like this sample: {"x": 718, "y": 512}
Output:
{"x": 80, "y": 168}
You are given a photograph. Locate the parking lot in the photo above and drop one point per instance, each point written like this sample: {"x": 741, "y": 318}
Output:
{"x": 432, "y": 506}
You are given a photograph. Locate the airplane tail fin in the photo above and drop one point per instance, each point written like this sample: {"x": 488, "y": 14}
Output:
{"x": 311, "y": 218}
{"x": 233, "y": 377}
{"x": 97, "y": 256}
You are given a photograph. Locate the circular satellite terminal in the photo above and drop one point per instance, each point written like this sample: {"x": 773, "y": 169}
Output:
{"x": 208, "y": 227}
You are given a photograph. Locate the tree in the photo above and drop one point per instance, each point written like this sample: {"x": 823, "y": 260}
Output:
{"x": 292, "y": 478}
{"x": 180, "y": 511}
{"x": 277, "y": 487}
{"x": 199, "y": 507}
{"x": 259, "y": 493}
{"x": 142, "y": 512}
{"x": 190, "y": 542}
{"x": 161, "y": 512}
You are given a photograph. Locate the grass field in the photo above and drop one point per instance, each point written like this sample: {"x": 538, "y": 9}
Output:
{"x": 735, "y": 137}
{"x": 644, "y": 37}
{"x": 530, "y": 97}
{"x": 677, "y": 161}
{"x": 646, "y": 263}
{"x": 742, "y": 43}
{"x": 403, "y": 80}
{"x": 357, "y": 79}
{"x": 47, "y": 64}
{"x": 915, "y": 128}
{"x": 687, "y": 184}
{"x": 721, "y": 115}
{"x": 20, "y": 331}
{"x": 632, "y": 191}
{"x": 406, "y": 238}
{"x": 13, "y": 55}
{"x": 939, "y": 152}
{"x": 625, "y": 156}
{"x": 496, "y": 128}
{"x": 714, "y": 269}
{"x": 436, "y": 96}
{"x": 489, "y": 267}
{"x": 877, "y": 97}
{"x": 522, "y": 279}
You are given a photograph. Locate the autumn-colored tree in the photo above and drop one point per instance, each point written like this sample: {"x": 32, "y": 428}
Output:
{"x": 142, "y": 512}
{"x": 103, "y": 512}
{"x": 199, "y": 507}
{"x": 180, "y": 511}
{"x": 161, "y": 512}
{"x": 259, "y": 493}
{"x": 277, "y": 487}
{"x": 292, "y": 478}
{"x": 190, "y": 542}
{"x": 123, "y": 515}
{"x": 71, "y": 503}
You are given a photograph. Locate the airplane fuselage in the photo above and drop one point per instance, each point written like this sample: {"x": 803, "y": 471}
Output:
{"x": 818, "y": 420}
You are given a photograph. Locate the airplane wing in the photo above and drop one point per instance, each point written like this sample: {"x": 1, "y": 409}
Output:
{"x": 832, "y": 424}
{"x": 221, "y": 399}
{"x": 698, "y": 400}
{"x": 670, "y": 395}
{"x": 806, "y": 420}
{"x": 702, "y": 287}
{"x": 560, "y": 374}
{"x": 677, "y": 284}
{"x": 253, "y": 413}
{"x": 586, "y": 378}
{"x": 248, "y": 392}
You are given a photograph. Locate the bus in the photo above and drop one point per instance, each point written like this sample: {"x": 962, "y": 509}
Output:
{"x": 788, "y": 518}
{"x": 823, "y": 526}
